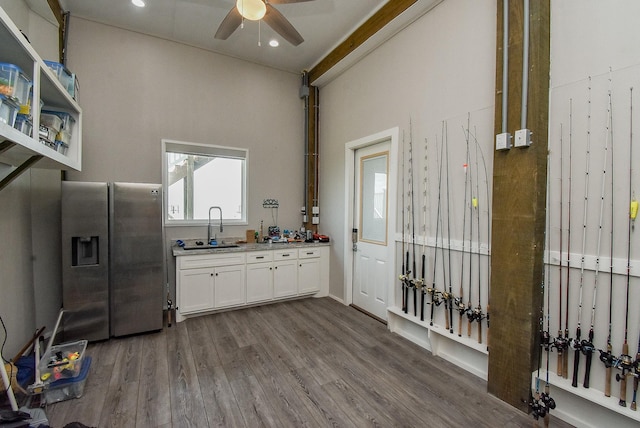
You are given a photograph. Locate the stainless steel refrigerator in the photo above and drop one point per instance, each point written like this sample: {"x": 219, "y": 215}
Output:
{"x": 113, "y": 259}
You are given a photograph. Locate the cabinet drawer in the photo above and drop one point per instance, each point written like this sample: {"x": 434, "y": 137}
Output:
{"x": 259, "y": 256}
{"x": 285, "y": 254}
{"x": 308, "y": 253}
{"x": 208, "y": 260}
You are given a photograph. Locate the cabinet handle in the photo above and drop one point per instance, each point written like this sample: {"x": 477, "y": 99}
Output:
{"x": 211, "y": 274}
{"x": 285, "y": 255}
{"x": 260, "y": 257}
{"x": 216, "y": 273}
{"x": 310, "y": 254}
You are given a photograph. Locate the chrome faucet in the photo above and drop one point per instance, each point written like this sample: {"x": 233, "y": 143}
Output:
{"x": 209, "y": 224}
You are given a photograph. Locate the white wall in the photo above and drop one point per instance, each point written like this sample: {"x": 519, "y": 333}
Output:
{"x": 439, "y": 68}
{"x": 136, "y": 90}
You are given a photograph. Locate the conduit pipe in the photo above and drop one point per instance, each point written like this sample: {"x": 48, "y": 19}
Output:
{"x": 505, "y": 62}
{"x": 525, "y": 66}
{"x": 304, "y": 94}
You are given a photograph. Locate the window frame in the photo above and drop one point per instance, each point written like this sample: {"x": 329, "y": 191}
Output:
{"x": 175, "y": 146}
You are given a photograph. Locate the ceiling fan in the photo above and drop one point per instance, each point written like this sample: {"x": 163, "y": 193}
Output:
{"x": 255, "y": 10}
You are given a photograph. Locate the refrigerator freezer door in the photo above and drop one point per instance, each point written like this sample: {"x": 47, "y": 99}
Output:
{"x": 85, "y": 261}
{"x": 137, "y": 258}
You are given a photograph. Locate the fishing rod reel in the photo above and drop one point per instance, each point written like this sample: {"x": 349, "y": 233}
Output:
{"x": 586, "y": 347}
{"x": 561, "y": 344}
{"x": 609, "y": 359}
{"x": 475, "y": 314}
{"x": 435, "y": 296}
{"x": 545, "y": 340}
{"x": 461, "y": 307}
{"x": 627, "y": 365}
{"x": 541, "y": 406}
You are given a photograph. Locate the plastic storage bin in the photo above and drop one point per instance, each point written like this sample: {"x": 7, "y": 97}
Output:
{"x": 8, "y": 110}
{"x": 62, "y": 361}
{"x": 66, "y": 389}
{"x": 14, "y": 83}
{"x": 51, "y": 121}
{"x": 24, "y": 124}
{"x": 68, "y": 121}
{"x": 65, "y": 77}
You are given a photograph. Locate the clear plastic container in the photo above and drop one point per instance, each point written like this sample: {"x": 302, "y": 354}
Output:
{"x": 64, "y": 76}
{"x": 65, "y": 389}
{"x": 8, "y": 110}
{"x": 14, "y": 83}
{"x": 51, "y": 121}
{"x": 68, "y": 121}
{"x": 62, "y": 361}
{"x": 24, "y": 124}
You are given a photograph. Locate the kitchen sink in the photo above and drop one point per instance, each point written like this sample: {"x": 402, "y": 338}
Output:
{"x": 201, "y": 245}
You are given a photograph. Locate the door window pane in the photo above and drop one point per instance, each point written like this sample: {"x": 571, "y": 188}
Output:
{"x": 373, "y": 203}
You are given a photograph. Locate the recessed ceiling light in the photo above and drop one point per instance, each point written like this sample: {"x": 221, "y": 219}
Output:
{"x": 274, "y": 43}
{"x": 139, "y": 3}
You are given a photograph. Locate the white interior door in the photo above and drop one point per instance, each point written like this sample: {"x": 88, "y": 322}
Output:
{"x": 371, "y": 262}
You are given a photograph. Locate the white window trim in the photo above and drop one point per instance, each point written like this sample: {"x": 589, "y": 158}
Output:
{"x": 198, "y": 148}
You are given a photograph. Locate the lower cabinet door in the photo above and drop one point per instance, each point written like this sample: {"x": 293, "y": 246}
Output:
{"x": 259, "y": 282}
{"x": 309, "y": 276}
{"x": 229, "y": 286}
{"x": 196, "y": 290}
{"x": 285, "y": 278}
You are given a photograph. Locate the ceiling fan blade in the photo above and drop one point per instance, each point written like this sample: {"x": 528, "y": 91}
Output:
{"x": 286, "y": 1}
{"x": 229, "y": 24}
{"x": 282, "y": 26}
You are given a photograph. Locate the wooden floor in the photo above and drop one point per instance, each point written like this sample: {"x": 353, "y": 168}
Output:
{"x": 304, "y": 363}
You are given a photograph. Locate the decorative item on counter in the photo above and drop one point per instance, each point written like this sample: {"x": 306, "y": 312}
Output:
{"x": 251, "y": 235}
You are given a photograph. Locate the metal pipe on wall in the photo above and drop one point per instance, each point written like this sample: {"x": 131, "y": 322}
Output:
{"x": 525, "y": 66}
{"x": 304, "y": 94}
{"x": 505, "y": 63}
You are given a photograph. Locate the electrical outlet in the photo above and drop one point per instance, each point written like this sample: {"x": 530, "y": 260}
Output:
{"x": 523, "y": 138}
{"x": 315, "y": 210}
{"x": 503, "y": 141}
{"x": 315, "y": 220}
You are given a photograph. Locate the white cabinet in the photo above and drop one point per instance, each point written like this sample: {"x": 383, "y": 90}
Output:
{"x": 207, "y": 282}
{"x": 285, "y": 273}
{"x": 19, "y": 149}
{"x": 229, "y": 286}
{"x": 259, "y": 276}
{"x": 308, "y": 270}
{"x": 196, "y": 290}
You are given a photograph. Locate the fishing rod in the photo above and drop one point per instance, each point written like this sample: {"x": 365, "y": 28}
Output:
{"x": 626, "y": 363}
{"x": 403, "y": 276}
{"x": 478, "y": 310}
{"x": 577, "y": 344}
{"x": 567, "y": 339}
{"x": 435, "y": 294}
{"x": 423, "y": 281}
{"x": 545, "y": 397}
{"x": 449, "y": 297}
{"x": 559, "y": 343}
{"x": 413, "y": 223}
{"x": 607, "y": 373}
{"x": 633, "y": 211}
{"x": 542, "y": 403}
{"x": 587, "y": 347}
{"x": 462, "y": 309}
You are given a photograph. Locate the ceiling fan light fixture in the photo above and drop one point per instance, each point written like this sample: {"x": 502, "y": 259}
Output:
{"x": 252, "y": 10}
{"x": 139, "y": 3}
{"x": 274, "y": 43}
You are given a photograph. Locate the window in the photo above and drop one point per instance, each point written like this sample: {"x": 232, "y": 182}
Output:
{"x": 197, "y": 177}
